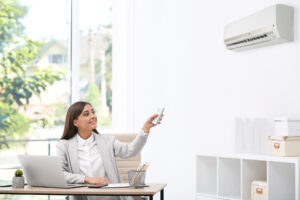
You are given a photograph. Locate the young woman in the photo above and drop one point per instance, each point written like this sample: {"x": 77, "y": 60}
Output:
{"x": 89, "y": 157}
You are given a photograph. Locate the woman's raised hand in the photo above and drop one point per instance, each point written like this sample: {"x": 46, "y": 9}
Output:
{"x": 148, "y": 124}
{"x": 96, "y": 181}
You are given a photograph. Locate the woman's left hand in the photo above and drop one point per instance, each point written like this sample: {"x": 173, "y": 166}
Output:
{"x": 148, "y": 124}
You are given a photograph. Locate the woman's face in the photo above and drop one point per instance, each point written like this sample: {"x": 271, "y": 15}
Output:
{"x": 87, "y": 120}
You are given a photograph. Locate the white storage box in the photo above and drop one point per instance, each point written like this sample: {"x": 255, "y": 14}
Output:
{"x": 285, "y": 145}
{"x": 259, "y": 190}
{"x": 287, "y": 126}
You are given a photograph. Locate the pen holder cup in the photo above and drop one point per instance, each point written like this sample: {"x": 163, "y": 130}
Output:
{"x": 136, "y": 178}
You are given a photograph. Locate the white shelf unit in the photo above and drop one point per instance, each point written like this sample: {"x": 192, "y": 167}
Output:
{"x": 229, "y": 176}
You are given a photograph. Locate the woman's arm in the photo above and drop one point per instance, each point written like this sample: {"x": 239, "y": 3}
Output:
{"x": 62, "y": 154}
{"x": 126, "y": 150}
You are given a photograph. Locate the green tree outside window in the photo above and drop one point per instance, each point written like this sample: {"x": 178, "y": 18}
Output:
{"x": 17, "y": 85}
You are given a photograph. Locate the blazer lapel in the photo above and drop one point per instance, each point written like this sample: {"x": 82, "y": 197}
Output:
{"x": 73, "y": 153}
{"x": 108, "y": 165}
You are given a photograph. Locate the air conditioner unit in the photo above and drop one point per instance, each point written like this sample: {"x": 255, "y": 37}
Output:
{"x": 269, "y": 26}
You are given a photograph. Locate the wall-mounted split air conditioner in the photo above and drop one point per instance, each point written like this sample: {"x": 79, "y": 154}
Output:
{"x": 269, "y": 26}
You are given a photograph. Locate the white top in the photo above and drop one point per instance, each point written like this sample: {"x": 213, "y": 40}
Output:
{"x": 89, "y": 157}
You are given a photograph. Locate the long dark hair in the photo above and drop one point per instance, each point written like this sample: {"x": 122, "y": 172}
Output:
{"x": 73, "y": 112}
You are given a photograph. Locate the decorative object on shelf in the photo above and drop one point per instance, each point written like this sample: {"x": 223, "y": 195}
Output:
{"x": 286, "y": 126}
{"x": 272, "y": 25}
{"x": 251, "y": 135}
{"x": 259, "y": 190}
{"x": 18, "y": 180}
{"x": 285, "y": 145}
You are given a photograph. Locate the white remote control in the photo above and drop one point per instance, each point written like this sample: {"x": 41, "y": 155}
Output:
{"x": 160, "y": 111}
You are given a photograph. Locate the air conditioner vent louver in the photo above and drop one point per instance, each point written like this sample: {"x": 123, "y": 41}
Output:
{"x": 251, "y": 40}
{"x": 269, "y": 26}
{"x": 248, "y": 40}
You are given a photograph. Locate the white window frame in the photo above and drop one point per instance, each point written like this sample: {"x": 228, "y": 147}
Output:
{"x": 74, "y": 50}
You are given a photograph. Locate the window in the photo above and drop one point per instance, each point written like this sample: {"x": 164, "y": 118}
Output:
{"x": 57, "y": 59}
{"x": 35, "y": 91}
{"x": 34, "y": 77}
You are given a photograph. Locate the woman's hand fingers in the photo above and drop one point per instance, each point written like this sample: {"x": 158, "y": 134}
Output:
{"x": 104, "y": 181}
{"x": 152, "y": 118}
{"x": 161, "y": 118}
{"x": 98, "y": 181}
{"x": 159, "y": 121}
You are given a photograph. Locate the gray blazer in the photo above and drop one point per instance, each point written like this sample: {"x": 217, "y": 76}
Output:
{"x": 109, "y": 148}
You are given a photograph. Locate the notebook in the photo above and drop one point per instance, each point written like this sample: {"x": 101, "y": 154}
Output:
{"x": 117, "y": 185}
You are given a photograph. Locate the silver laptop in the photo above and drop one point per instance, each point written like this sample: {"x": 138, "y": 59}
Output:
{"x": 44, "y": 171}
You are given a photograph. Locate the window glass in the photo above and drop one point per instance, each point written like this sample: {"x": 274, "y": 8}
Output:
{"x": 96, "y": 57}
{"x": 34, "y": 77}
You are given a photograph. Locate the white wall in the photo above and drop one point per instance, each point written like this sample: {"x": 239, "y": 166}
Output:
{"x": 180, "y": 62}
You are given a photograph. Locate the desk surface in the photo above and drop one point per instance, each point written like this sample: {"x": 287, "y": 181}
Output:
{"x": 151, "y": 190}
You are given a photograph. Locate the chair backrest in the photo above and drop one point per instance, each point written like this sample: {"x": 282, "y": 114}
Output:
{"x": 127, "y": 164}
